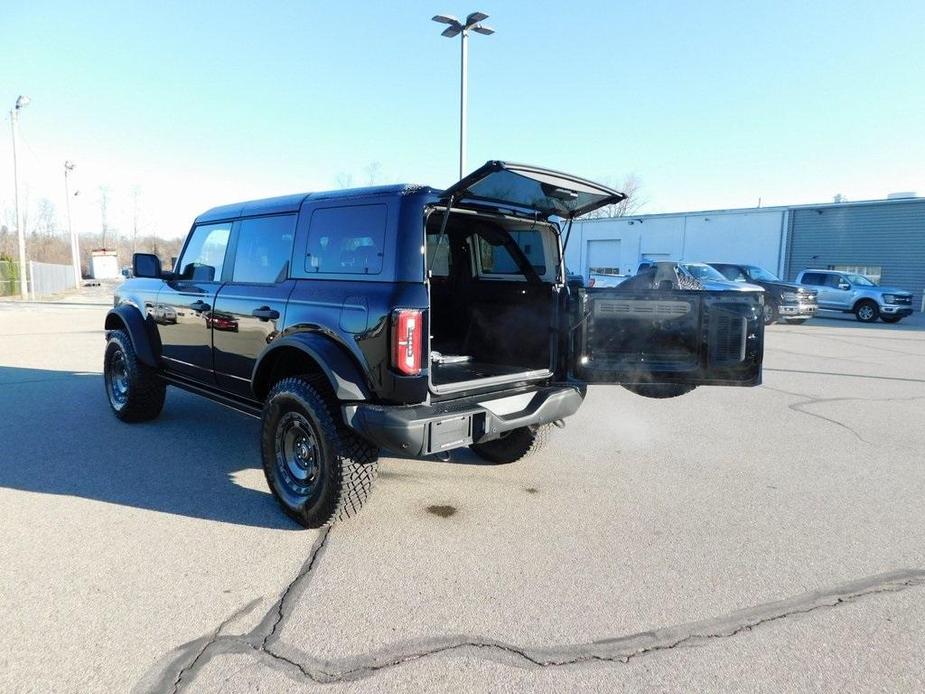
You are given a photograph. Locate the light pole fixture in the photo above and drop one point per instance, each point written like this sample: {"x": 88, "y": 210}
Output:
{"x": 457, "y": 28}
{"x": 21, "y": 103}
{"x": 75, "y": 246}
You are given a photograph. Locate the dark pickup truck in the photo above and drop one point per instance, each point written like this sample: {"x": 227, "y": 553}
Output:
{"x": 786, "y": 302}
{"x": 406, "y": 318}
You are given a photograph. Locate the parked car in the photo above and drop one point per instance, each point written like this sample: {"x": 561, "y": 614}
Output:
{"x": 699, "y": 274}
{"x": 849, "y": 292}
{"x": 574, "y": 279}
{"x": 788, "y": 302}
{"x": 405, "y": 318}
{"x": 601, "y": 280}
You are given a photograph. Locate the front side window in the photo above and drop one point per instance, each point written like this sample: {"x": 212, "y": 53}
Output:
{"x": 263, "y": 249}
{"x": 703, "y": 272}
{"x": 860, "y": 280}
{"x": 759, "y": 274}
{"x": 871, "y": 272}
{"x": 204, "y": 256}
{"x": 733, "y": 273}
{"x": 346, "y": 240}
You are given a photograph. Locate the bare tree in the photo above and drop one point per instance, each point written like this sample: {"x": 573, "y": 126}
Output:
{"x": 373, "y": 172}
{"x": 630, "y": 205}
{"x": 344, "y": 180}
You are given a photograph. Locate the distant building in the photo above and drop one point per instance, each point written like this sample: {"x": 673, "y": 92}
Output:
{"x": 884, "y": 239}
{"x": 104, "y": 265}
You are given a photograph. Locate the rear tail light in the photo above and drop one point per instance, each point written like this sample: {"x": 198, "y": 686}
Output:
{"x": 406, "y": 341}
{"x": 591, "y": 282}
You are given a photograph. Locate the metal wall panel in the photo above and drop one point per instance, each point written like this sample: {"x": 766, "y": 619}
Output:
{"x": 888, "y": 234}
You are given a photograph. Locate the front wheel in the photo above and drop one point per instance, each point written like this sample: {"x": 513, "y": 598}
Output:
{"x": 891, "y": 319}
{"x": 135, "y": 391}
{"x": 867, "y": 312}
{"x": 659, "y": 391}
{"x": 514, "y": 445}
{"x": 318, "y": 469}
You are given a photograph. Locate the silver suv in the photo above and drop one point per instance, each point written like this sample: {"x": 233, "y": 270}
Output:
{"x": 852, "y": 293}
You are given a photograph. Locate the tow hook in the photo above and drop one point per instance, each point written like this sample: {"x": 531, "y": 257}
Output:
{"x": 559, "y": 423}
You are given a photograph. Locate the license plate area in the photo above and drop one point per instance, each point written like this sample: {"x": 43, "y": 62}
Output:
{"x": 449, "y": 433}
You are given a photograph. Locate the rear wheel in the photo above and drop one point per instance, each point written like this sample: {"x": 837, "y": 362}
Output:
{"x": 659, "y": 390}
{"x": 514, "y": 445}
{"x": 891, "y": 319}
{"x": 318, "y": 469}
{"x": 867, "y": 312}
{"x": 135, "y": 391}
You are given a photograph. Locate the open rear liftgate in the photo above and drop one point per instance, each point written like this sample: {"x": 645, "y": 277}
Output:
{"x": 669, "y": 336}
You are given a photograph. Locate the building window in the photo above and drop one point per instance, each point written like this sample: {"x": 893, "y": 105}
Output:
{"x": 871, "y": 271}
{"x": 604, "y": 270}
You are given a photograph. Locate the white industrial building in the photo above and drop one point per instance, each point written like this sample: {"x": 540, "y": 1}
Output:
{"x": 884, "y": 239}
{"x": 617, "y": 245}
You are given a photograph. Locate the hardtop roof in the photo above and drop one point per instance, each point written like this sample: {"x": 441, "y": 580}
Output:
{"x": 292, "y": 203}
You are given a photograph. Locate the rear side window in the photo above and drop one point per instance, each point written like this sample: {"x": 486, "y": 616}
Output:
{"x": 264, "y": 247}
{"x": 204, "y": 256}
{"x": 813, "y": 278}
{"x": 497, "y": 260}
{"x": 346, "y": 240}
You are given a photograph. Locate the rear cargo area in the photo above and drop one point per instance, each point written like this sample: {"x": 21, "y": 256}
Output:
{"x": 492, "y": 300}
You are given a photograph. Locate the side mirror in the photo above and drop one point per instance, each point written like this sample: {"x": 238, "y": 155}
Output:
{"x": 146, "y": 265}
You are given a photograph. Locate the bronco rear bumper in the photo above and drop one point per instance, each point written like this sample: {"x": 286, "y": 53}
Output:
{"x": 443, "y": 426}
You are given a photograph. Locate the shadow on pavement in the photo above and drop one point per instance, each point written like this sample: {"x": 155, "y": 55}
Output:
{"x": 59, "y": 437}
{"x": 832, "y": 319}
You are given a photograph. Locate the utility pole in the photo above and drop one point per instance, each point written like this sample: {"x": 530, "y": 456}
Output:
{"x": 75, "y": 244}
{"x": 21, "y": 103}
{"x": 462, "y": 29}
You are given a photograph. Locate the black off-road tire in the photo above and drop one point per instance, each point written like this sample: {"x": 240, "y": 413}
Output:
{"x": 514, "y": 445}
{"x": 340, "y": 469}
{"x": 890, "y": 319}
{"x": 867, "y": 311}
{"x": 659, "y": 390}
{"x": 134, "y": 390}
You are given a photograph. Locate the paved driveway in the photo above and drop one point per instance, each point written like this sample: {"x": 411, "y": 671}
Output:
{"x": 768, "y": 538}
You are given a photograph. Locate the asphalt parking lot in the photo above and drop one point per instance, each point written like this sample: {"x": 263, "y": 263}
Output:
{"x": 764, "y": 539}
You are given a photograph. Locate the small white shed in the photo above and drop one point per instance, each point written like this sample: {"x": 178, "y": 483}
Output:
{"x": 104, "y": 264}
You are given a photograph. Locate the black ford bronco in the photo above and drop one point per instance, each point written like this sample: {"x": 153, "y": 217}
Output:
{"x": 410, "y": 319}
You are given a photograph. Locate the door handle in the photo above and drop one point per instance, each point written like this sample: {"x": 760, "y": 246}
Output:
{"x": 200, "y": 306}
{"x": 265, "y": 313}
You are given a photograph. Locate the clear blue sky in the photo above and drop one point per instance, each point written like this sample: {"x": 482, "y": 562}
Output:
{"x": 711, "y": 104}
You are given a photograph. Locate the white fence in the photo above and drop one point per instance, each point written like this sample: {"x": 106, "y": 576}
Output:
{"x": 45, "y": 279}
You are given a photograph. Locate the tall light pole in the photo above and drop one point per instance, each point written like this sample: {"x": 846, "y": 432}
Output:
{"x": 75, "y": 246}
{"x": 21, "y": 103}
{"x": 462, "y": 29}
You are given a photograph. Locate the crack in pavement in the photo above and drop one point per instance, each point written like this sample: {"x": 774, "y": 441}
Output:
{"x": 845, "y": 375}
{"x": 180, "y": 666}
{"x": 181, "y": 669}
{"x": 812, "y": 400}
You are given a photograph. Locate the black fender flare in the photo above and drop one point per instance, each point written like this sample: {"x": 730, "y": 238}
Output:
{"x": 130, "y": 317}
{"x": 339, "y": 367}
